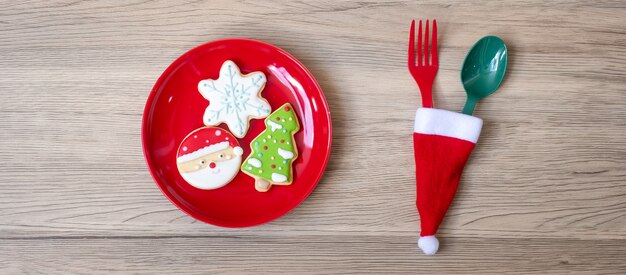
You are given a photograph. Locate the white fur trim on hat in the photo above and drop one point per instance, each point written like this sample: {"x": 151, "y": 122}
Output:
{"x": 238, "y": 151}
{"x": 445, "y": 123}
{"x": 204, "y": 151}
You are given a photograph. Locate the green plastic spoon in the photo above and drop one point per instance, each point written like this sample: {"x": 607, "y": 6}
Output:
{"x": 483, "y": 70}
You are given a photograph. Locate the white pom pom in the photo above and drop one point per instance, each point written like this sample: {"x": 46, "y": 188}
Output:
{"x": 428, "y": 244}
{"x": 238, "y": 151}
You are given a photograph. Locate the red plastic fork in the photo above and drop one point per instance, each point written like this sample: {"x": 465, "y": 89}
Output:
{"x": 424, "y": 72}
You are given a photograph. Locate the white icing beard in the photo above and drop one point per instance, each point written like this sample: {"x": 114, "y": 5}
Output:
{"x": 213, "y": 178}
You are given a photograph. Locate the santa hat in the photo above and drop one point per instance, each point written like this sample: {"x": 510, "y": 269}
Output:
{"x": 205, "y": 141}
{"x": 443, "y": 141}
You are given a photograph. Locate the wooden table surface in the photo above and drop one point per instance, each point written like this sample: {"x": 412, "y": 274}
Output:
{"x": 544, "y": 191}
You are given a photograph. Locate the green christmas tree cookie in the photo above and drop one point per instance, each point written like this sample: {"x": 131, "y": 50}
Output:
{"x": 274, "y": 150}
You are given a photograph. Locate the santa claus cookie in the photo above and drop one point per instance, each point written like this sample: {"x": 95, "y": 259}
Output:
{"x": 209, "y": 158}
{"x": 234, "y": 98}
{"x": 274, "y": 150}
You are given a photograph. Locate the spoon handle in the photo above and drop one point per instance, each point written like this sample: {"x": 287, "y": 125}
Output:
{"x": 470, "y": 104}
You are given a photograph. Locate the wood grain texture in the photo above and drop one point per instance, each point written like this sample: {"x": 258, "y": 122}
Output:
{"x": 545, "y": 189}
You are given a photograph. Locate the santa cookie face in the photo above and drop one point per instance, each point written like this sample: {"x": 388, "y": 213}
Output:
{"x": 209, "y": 158}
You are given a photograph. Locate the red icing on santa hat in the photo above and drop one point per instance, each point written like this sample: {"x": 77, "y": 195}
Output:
{"x": 443, "y": 141}
{"x": 204, "y": 141}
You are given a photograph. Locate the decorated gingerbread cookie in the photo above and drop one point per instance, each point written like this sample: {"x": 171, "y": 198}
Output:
{"x": 209, "y": 158}
{"x": 274, "y": 150}
{"x": 234, "y": 98}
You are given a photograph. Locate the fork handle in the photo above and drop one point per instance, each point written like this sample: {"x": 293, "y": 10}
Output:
{"x": 427, "y": 94}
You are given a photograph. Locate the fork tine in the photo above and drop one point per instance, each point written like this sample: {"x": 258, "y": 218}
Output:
{"x": 419, "y": 44}
{"x": 435, "y": 57}
{"x": 411, "y": 60}
{"x": 426, "y": 63}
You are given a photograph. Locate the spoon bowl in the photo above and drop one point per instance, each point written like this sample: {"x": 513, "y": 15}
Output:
{"x": 483, "y": 70}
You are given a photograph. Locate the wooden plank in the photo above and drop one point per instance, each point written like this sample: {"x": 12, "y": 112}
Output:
{"x": 309, "y": 254}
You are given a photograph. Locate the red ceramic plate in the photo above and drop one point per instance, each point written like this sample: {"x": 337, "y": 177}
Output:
{"x": 175, "y": 108}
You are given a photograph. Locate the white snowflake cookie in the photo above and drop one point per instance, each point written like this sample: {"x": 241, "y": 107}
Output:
{"x": 234, "y": 98}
